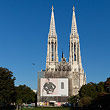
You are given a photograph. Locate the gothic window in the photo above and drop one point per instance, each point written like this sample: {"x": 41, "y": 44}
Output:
{"x": 52, "y": 47}
{"x": 52, "y": 57}
{"x": 55, "y": 51}
{"x": 74, "y": 57}
{"x": 52, "y": 51}
{"x": 74, "y": 51}
{"x": 74, "y": 47}
{"x": 71, "y": 46}
{"x": 62, "y": 85}
{"x": 55, "y": 46}
{"x": 78, "y": 52}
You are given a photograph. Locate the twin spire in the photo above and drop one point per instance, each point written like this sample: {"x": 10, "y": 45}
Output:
{"x": 52, "y": 47}
{"x": 52, "y": 31}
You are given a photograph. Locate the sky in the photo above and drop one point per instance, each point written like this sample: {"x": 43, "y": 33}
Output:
{"x": 24, "y": 27}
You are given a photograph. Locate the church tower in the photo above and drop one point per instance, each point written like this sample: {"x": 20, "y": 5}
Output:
{"x": 78, "y": 77}
{"x": 74, "y": 55}
{"x": 52, "y": 52}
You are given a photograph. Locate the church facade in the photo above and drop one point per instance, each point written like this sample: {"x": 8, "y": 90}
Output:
{"x": 72, "y": 70}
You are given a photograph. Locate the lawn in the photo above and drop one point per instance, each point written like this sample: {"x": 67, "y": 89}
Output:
{"x": 46, "y": 108}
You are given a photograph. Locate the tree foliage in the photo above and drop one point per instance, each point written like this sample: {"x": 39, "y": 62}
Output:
{"x": 102, "y": 101}
{"x": 91, "y": 91}
{"x": 73, "y": 99}
{"x": 6, "y": 86}
{"x": 100, "y": 87}
{"x": 88, "y": 90}
{"x": 24, "y": 94}
{"x": 107, "y": 85}
{"x": 85, "y": 101}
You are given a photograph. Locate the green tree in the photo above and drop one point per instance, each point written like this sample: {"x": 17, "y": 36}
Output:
{"x": 7, "y": 89}
{"x": 85, "y": 101}
{"x": 24, "y": 94}
{"x": 100, "y": 87}
{"x": 107, "y": 85}
{"x": 74, "y": 99}
{"x": 88, "y": 90}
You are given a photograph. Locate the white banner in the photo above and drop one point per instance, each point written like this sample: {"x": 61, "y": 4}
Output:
{"x": 54, "y": 87}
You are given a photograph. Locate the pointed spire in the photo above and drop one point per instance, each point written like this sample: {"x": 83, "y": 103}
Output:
{"x": 52, "y": 31}
{"x": 74, "y": 25}
{"x": 52, "y": 8}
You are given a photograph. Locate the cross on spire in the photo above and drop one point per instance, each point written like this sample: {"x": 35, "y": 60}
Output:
{"x": 52, "y": 8}
{"x": 73, "y": 8}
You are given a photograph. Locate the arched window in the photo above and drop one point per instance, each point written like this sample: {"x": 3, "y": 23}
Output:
{"x": 52, "y": 57}
{"x": 75, "y": 47}
{"x": 74, "y": 57}
{"x": 74, "y": 51}
{"x": 55, "y": 46}
{"x": 52, "y": 46}
{"x": 78, "y": 52}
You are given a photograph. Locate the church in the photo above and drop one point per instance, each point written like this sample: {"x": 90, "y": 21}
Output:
{"x": 62, "y": 79}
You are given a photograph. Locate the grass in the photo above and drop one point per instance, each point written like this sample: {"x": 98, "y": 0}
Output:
{"x": 46, "y": 108}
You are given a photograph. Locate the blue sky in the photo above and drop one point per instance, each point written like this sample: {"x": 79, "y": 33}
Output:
{"x": 24, "y": 27}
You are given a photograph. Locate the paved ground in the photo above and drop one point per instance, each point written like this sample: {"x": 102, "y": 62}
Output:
{"x": 52, "y": 108}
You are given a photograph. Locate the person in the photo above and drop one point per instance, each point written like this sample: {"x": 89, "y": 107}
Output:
{"x": 49, "y": 87}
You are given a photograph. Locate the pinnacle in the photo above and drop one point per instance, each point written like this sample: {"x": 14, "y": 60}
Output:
{"x": 73, "y": 8}
{"x": 74, "y": 25}
{"x": 52, "y": 8}
{"x": 52, "y": 31}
